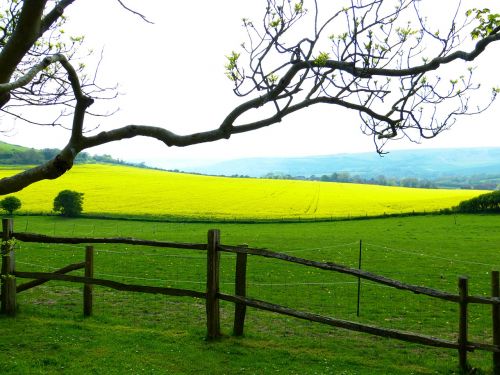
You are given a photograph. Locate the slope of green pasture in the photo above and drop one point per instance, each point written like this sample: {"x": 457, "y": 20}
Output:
{"x": 7, "y": 147}
{"x": 134, "y": 191}
{"x": 138, "y": 333}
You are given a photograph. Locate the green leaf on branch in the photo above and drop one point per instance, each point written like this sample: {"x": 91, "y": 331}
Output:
{"x": 232, "y": 66}
{"x": 298, "y": 7}
{"x": 273, "y": 78}
{"x": 321, "y": 59}
{"x": 275, "y": 23}
{"x": 488, "y": 22}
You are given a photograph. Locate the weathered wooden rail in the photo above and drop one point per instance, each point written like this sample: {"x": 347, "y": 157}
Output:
{"x": 212, "y": 295}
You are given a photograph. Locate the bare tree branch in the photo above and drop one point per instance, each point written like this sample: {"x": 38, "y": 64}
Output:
{"x": 134, "y": 12}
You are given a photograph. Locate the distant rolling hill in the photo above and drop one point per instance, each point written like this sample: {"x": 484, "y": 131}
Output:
{"x": 7, "y": 147}
{"x": 19, "y": 155}
{"x": 424, "y": 163}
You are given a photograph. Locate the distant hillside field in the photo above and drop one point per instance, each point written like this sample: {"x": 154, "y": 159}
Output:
{"x": 420, "y": 163}
{"x": 134, "y": 191}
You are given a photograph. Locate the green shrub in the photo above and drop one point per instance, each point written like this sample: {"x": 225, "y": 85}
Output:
{"x": 10, "y": 204}
{"x": 69, "y": 203}
{"x": 489, "y": 202}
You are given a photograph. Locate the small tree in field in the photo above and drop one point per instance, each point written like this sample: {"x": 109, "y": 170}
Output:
{"x": 69, "y": 203}
{"x": 10, "y": 204}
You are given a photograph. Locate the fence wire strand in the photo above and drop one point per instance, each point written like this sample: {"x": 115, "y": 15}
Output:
{"x": 430, "y": 256}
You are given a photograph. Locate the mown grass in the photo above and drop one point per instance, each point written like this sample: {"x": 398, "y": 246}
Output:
{"x": 137, "y": 333}
{"x": 119, "y": 190}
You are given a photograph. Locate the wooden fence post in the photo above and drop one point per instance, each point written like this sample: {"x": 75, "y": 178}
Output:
{"x": 240, "y": 289}
{"x": 495, "y": 315}
{"x": 8, "y": 280}
{"x": 463, "y": 290}
{"x": 359, "y": 278}
{"x": 87, "y": 288}
{"x": 212, "y": 302}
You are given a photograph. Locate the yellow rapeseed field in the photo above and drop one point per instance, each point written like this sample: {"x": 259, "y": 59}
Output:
{"x": 134, "y": 191}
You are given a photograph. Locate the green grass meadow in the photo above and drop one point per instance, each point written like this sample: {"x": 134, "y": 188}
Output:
{"x": 131, "y": 333}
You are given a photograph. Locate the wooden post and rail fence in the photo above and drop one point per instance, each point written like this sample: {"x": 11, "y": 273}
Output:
{"x": 212, "y": 295}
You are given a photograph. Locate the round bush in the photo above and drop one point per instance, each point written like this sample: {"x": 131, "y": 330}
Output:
{"x": 69, "y": 203}
{"x": 10, "y": 204}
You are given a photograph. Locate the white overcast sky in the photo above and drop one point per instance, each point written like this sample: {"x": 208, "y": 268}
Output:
{"x": 171, "y": 74}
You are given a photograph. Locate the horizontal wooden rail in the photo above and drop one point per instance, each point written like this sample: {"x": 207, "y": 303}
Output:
{"x": 61, "y": 271}
{"x": 353, "y": 326}
{"x": 111, "y": 284}
{"x": 361, "y": 274}
{"x": 346, "y": 270}
{"x": 31, "y": 237}
{"x": 483, "y": 300}
{"x": 485, "y": 347}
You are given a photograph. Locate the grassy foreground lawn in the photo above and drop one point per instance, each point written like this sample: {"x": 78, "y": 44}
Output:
{"x": 136, "y": 333}
{"x": 122, "y": 191}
